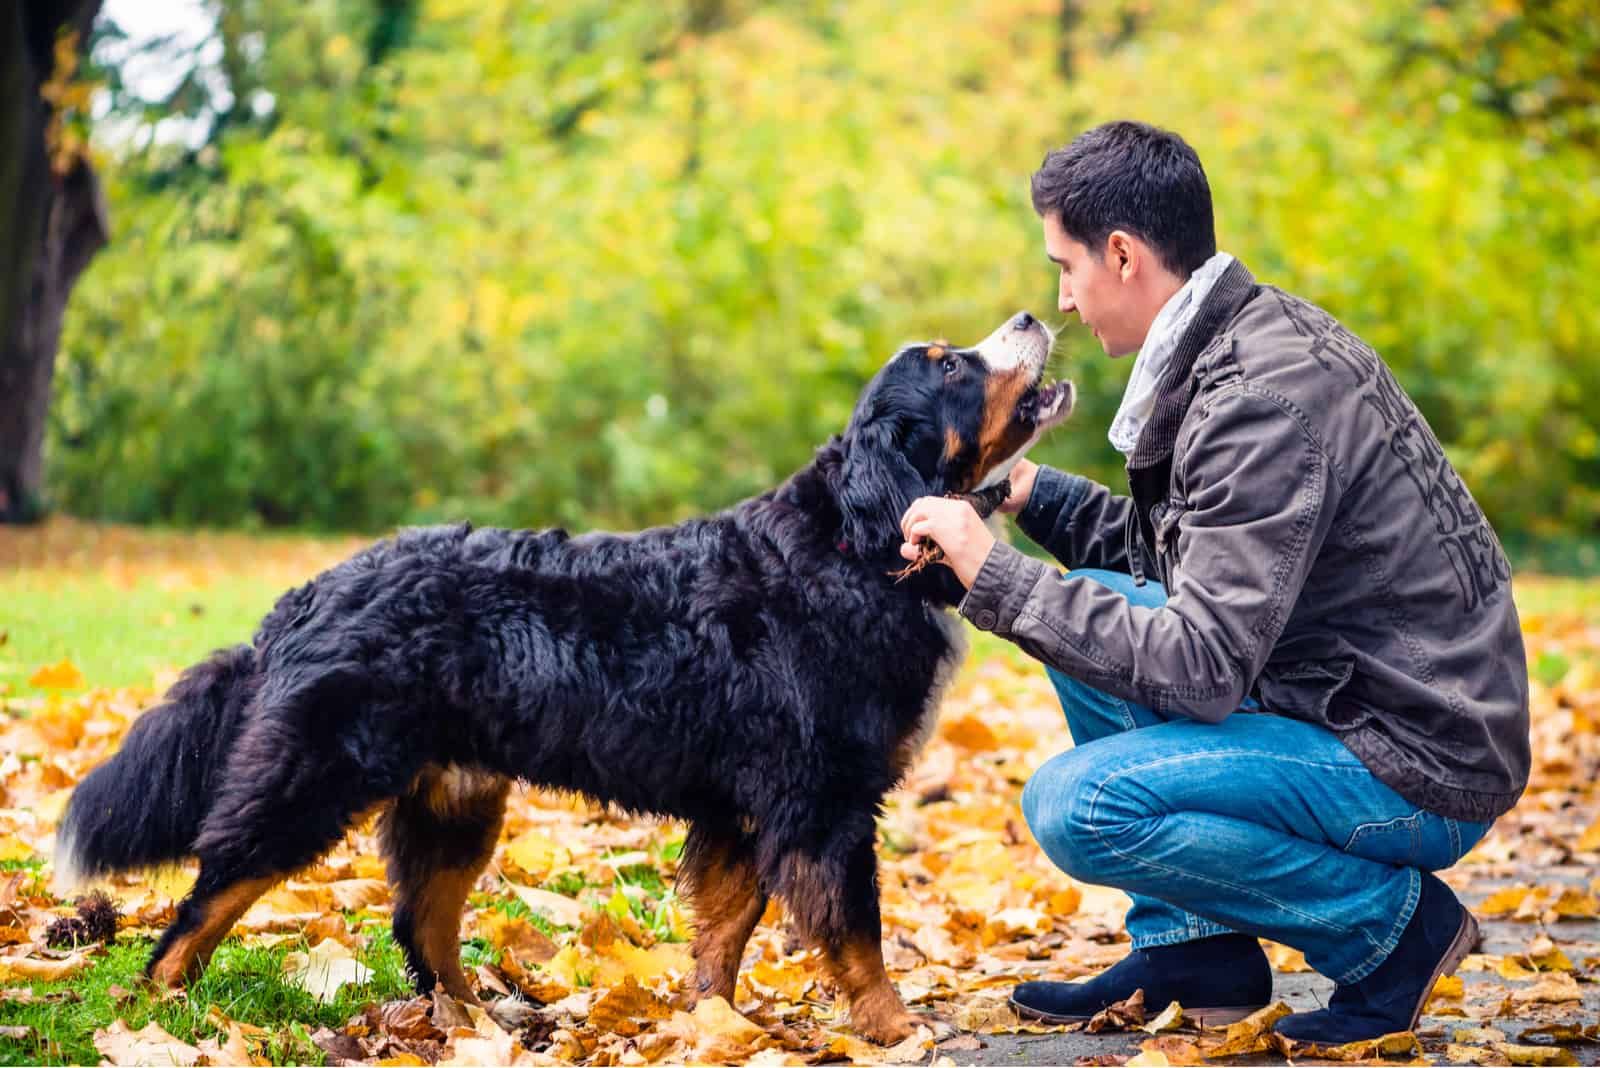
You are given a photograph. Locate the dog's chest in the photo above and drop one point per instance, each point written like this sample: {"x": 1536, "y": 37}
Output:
{"x": 944, "y": 673}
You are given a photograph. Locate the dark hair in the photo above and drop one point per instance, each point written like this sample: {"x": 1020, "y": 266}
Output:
{"x": 1134, "y": 177}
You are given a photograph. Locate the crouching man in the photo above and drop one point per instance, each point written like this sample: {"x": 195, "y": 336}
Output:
{"x": 1288, "y": 656}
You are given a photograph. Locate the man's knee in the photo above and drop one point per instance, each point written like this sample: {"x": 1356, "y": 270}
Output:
{"x": 1058, "y": 803}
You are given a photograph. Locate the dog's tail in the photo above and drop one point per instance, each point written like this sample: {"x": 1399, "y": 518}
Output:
{"x": 144, "y": 806}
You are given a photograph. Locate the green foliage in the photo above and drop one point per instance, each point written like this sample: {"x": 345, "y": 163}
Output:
{"x": 592, "y": 264}
{"x": 245, "y": 982}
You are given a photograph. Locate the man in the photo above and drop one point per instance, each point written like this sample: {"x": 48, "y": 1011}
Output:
{"x": 1288, "y": 657}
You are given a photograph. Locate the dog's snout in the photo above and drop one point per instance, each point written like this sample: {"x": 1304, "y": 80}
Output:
{"x": 1022, "y": 321}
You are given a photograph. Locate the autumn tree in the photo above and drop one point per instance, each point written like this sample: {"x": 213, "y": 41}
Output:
{"x": 52, "y": 221}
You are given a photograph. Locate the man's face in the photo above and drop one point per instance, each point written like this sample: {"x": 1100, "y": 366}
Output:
{"x": 1093, "y": 286}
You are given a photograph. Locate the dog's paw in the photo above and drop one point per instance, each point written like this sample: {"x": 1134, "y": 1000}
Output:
{"x": 887, "y": 1029}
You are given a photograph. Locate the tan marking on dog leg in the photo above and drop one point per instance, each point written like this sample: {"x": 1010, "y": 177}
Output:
{"x": 188, "y": 954}
{"x": 437, "y": 909}
{"x": 856, "y": 969}
{"x": 453, "y": 795}
{"x": 727, "y": 904}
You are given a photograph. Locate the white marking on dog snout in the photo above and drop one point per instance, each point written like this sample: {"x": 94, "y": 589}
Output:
{"x": 1008, "y": 348}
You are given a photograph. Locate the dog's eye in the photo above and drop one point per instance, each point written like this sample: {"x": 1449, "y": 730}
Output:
{"x": 951, "y": 366}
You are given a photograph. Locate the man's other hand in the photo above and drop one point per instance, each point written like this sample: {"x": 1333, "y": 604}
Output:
{"x": 1022, "y": 477}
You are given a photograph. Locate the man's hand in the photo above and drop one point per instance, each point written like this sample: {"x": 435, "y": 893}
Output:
{"x": 1022, "y": 476}
{"x": 952, "y": 525}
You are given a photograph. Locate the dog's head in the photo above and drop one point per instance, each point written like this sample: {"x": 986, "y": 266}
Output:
{"x": 939, "y": 419}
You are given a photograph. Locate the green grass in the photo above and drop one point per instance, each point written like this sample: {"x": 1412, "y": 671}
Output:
{"x": 245, "y": 982}
{"x": 121, "y": 636}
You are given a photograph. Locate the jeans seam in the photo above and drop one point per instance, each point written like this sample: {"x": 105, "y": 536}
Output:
{"x": 1374, "y": 826}
{"x": 1189, "y": 932}
{"x": 1377, "y": 957}
{"x": 1380, "y": 952}
{"x": 1455, "y": 838}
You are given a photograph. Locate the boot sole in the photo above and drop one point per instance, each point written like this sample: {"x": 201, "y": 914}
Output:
{"x": 1213, "y": 1017}
{"x": 1466, "y": 937}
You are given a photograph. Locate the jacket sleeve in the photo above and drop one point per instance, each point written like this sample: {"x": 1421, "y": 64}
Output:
{"x": 1077, "y": 521}
{"x": 1259, "y": 499}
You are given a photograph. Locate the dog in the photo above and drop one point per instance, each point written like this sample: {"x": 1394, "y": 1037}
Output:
{"x": 757, "y": 673}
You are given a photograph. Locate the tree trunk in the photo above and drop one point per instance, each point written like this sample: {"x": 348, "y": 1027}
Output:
{"x": 50, "y": 226}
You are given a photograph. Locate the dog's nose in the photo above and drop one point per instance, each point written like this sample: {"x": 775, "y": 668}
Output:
{"x": 1022, "y": 321}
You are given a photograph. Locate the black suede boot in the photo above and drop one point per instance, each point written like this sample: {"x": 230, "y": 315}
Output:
{"x": 1441, "y": 933}
{"x": 1217, "y": 980}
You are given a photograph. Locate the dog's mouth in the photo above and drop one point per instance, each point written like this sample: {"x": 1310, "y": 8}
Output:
{"x": 1046, "y": 404}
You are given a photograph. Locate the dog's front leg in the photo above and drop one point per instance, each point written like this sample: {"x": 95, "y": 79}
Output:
{"x": 718, "y": 876}
{"x": 833, "y": 899}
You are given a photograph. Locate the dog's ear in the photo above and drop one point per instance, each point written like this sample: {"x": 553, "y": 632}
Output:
{"x": 876, "y": 486}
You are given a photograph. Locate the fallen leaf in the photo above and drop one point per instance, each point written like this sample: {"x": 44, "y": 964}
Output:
{"x": 1555, "y": 988}
{"x": 149, "y": 1045}
{"x": 1170, "y": 1019}
{"x": 1119, "y": 1016}
{"x": 41, "y": 970}
{"x": 1517, "y": 1054}
{"x": 628, "y": 1009}
{"x": 63, "y": 675}
{"x": 322, "y": 971}
{"x": 559, "y": 910}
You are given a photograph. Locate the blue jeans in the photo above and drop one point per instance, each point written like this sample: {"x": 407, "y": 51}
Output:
{"x": 1260, "y": 824}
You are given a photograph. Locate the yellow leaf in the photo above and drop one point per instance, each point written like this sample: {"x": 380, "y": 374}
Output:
{"x": 47, "y": 971}
{"x": 63, "y": 675}
{"x": 1447, "y": 987}
{"x": 537, "y": 855}
{"x": 326, "y": 968}
{"x": 1504, "y": 901}
{"x": 623, "y": 1007}
{"x": 559, "y": 910}
{"x": 148, "y": 1045}
{"x": 1577, "y": 904}
{"x": 969, "y": 732}
{"x": 1589, "y": 840}
{"x": 1170, "y": 1019}
{"x": 1535, "y": 1054}
{"x": 1553, "y": 989}
{"x": 352, "y": 894}
{"x": 14, "y": 848}
{"x": 515, "y": 933}
{"x": 715, "y": 1016}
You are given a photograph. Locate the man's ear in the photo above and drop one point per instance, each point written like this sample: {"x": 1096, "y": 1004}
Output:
{"x": 877, "y": 485}
{"x": 1122, "y": 254}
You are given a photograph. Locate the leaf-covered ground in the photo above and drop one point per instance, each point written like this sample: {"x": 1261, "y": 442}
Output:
{"x": 574, "y": 934}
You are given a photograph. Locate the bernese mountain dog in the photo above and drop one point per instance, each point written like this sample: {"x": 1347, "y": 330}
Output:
{"x": 758, "y": 673}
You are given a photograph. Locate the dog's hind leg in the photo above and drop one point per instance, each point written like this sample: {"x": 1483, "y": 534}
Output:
{"x": 280, "y": 805}
{"x": 832, "y": 897}
{"x": 204, "y": 919}
{"x": 718, "y": 875}
{"x": 437, "y": 838}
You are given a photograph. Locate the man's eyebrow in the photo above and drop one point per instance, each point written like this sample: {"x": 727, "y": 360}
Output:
{"x": 1052, "y": 259}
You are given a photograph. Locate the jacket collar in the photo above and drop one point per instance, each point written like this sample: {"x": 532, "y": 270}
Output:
{"x": 1176, "y": 387}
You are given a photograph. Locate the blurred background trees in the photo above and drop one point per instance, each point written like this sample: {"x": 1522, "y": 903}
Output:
{"x": 586, "y": 263}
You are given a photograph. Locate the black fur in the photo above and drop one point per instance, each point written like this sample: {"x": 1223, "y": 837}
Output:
{"x": 755, "y": 672}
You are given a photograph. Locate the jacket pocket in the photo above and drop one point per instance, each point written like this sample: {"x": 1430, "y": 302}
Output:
{"x": 1305, "y": 689}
